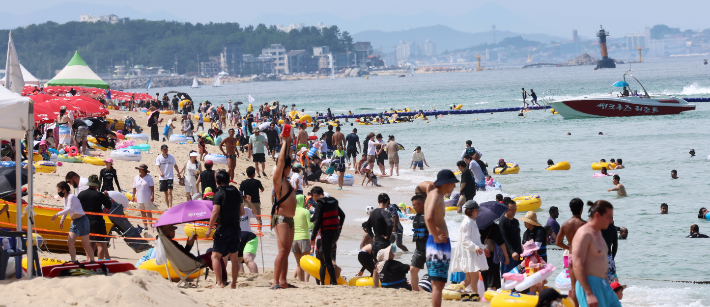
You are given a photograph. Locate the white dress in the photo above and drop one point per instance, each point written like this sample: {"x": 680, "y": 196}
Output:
{"x": 190, "y": 179}
{"x": 465, "y": 258}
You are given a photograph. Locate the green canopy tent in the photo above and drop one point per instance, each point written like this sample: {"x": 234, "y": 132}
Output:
{"x": 77, "y": 73}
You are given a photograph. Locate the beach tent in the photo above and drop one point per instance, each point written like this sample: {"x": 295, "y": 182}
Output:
{"x": 14, "y": 117}
{"x": 29, "y": 78}
{"x": 77, "y": 73}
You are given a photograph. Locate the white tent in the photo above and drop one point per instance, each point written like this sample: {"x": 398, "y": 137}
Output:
{"x": 29, "y": 78}
{"x": 14, "y": 115}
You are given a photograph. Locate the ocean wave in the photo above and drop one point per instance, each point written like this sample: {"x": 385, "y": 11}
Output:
{"x": 693, "y": 89}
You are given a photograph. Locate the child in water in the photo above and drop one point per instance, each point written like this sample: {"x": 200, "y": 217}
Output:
{"x": 532, "y": 263}
{"x": 489, "y": 181}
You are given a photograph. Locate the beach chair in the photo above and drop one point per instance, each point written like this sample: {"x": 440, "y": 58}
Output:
{"x": 182, "y": 264}
{"x": 20, "y": 238}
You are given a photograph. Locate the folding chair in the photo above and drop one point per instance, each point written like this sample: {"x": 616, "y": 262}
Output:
{"x": 183, "y": 264}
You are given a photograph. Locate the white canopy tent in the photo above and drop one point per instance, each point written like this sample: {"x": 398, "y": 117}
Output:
{"x": 29, "y": 78}
{"x": 14, "y": 114}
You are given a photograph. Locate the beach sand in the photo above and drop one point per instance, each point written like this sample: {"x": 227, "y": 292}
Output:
{"x": 141, "y": 288}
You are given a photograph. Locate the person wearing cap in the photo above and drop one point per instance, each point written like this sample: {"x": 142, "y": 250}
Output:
{"x": 257, "y": 143}
{"x": 468, "y": 256}
{"x": 191, "y": 170}
{"x": 393, "y": 274}
{"x": 618, "y": 289}
{"x": 502, "y": 166}
{"x": 438, "y": 246}
{"x": 296, "y": 178}
{"x": 80, "y": 227}
{"x": 166, "y": 163}
{"x": 94, "y": 201}
{"x": 144, "y": 192}
{"x": 534, "y": 231}
{"x": 550, "y": 298}
{"x": 590, "y": 262}
{"x": 107, "y": 176}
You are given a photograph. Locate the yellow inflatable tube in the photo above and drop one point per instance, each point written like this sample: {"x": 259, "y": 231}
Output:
{"x": 513, "y": 168}
{"x": 458, "y": 107}
{"x": 505, "y": 298}
{"x": 205, "y": 118}
{"x": 562, "y": 166}
{"x": 151, "y": 266}
{"x": 45, "y": 166}
{"x": 94, "y": 160}
{"x": 360, "y": 281}
{"x": 454, "y": 292}
{"x": 451, "y": 208}
{"x": 311, "y": 265}
{"x": 44, "y": 261}
{"x": 198, "y": 228}
{"x": 598, "y": 165}
{"x": 528, "y": 203}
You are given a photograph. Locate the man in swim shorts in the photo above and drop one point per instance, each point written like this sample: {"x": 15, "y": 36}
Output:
{"x": 569, "y": 229}
{"x": 302, "y": 137}
{"x": 590, "y": 263}
{"x": 231, "y": 143}
{"x": 438, "y": 246}
{"x": 423, "y": 188}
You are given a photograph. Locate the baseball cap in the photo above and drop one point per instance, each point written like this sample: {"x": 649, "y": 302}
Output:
{"x": 445, "y": 176}
{"x": 471, "y": 204}
{"x": 616, "y": 285}
{"x": 108, "y": 160}
{"x": 208, "y": 162}
{"x": 297, "y": 165}
{"x": 164, "y": 146}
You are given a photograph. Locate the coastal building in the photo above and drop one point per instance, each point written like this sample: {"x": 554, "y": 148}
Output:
{"x": 278, "y": 52}
{"x": 254, "y": 65}
{"x": 323, "y": 50}
{"x": 211, "y": 67}
{"x": 295, "y": 61}
{"x": 429, "y": 48}
{"x": 231, "y": 59}
{"x": 298, "y": 26}
{"x": 111, "y": 18}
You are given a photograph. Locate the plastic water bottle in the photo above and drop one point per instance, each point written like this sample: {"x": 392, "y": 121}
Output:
{"x": 6, "y": 245}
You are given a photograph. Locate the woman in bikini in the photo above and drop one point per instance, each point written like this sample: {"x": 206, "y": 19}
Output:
{"x": 282, "y": 213}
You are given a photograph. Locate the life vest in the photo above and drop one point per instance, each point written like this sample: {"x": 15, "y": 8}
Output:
{"x": 470, "y": 151}
{"x": 339, "y": 157}
{"x": 526, "y": 263}
{"x": 419, "y": 228}
{"x": 330, "y": 219}
{"x": 304, "y": 160}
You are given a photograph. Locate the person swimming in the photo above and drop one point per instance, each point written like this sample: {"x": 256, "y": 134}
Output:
{"x": 550, "y": 162}
{"x": 620, "y": 189}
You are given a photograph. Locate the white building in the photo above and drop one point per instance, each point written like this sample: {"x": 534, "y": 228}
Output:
{"x": 112, "y": 19}
{"x": 298, "y": 26}
{"x": 278, "y": 53}
{"x": 429, "y": 48}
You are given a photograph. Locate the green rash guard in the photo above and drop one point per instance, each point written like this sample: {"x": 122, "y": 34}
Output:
{"x": 302, "y": 222}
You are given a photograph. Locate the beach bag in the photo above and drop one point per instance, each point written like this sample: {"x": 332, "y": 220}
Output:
{"x": 331, "y": 169}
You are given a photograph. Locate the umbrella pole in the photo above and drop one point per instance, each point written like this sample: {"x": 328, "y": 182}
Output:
{"x": 18, "y": 200}
{"x": 30, "y": 173}
{"x": 261, "y": 241}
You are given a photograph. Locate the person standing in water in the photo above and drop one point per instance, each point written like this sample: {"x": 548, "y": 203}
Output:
{"x": 620, "y": 189}
{"x": 569, "y": 229}
{"x": 525, "y": 96}
{"x": 438, "y": 246}
{"x": 590, "y": 262}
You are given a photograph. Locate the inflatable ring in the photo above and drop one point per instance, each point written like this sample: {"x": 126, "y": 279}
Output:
{"x": 513, "y": 168}
{"x": 94, "y": 160}
{"x": 454, "y": 292}
{"x": 178, "y": 138}
{"x": 141, "y": 147}
{"x": 458, "y": 107}
{"x": 200, "y": 229}
{"x": 451, "y": 208}
{"x": 36, "y": 157}
{"x": 204, "y": 118}
{"x": 598, "y": 165}
{"x": 45, "y": 166}
{"x": 311, "y": 265}
{"x": 91, "y": 139}
{"x": 505, "y": 298}
{"x": 74, "y": 159}
{"x": 562, "y": 166}
{"x": 218, "y": 159}
{"x": 348, "y": 179}
{"x": 137, "y": 137}
{"x": 528, "y": 203}
{"x": 360, "y": 281}
{"x": 151, "y": 266}
{"x": 71, "y": 151}
{"x": 167, "y": 112}
{"x": 126, "y": 155}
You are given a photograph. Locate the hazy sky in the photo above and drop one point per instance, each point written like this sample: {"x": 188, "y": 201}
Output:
{"x": 551, "y": 16}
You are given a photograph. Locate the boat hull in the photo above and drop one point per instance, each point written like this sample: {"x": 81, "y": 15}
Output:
{"x": 619, "y": 106}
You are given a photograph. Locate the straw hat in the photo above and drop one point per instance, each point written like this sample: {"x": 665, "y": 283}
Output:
{"x": 530, "y": 218}
{"x": 382, "y": 256}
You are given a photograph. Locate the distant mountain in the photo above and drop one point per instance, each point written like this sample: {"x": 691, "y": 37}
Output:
{"x": 445, "y": 38}
{"x": 478, "y": 20}
{"x": 66, "y": 12}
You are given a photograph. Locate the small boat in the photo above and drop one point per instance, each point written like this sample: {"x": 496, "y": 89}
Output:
{"x": 217, "y": 81}
{"x": 194, "y": 83}
{"x": 618, "y": 106}
{"x": 401, "y": 76}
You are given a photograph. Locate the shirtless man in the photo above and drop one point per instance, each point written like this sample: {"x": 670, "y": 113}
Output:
{"x": 438, "y": 246}
{"x": 231, "y": 153}
{"x": 569, "y": 229}
{"x": 424, "y": 188}
{"x": 302, "y": 137}
{"x": 338, "y": 138}
{"x": 620, "y": 189}
{"x": 590, "y": 261}
{"x": 282, "y": 214}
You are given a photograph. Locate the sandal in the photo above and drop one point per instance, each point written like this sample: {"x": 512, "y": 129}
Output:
{"x": 292, "y": 286}
{"x": 275, "y": 287}
{"x": 474, "y": 297}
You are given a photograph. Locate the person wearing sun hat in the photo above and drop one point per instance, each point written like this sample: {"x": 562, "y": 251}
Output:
{"x": 144, "y": 192}
{"x": 393, "y": 274}
{"x": 107, "y": 176}
{"x": 532, "y": 262}
{"x": 535, "y": 232}
{"x": 550, "y": 298}
{"x": 95, "y": 202}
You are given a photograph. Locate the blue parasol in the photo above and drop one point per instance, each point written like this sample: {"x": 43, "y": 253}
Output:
{"x": 490, "y": 211}
{"x": 620, "y": 84}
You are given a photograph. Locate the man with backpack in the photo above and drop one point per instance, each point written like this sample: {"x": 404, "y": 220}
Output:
{"x": 470, "y": 150}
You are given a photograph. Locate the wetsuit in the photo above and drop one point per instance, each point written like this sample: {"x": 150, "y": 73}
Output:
{"x": 379, "y": 227}
{"x": 328, "y": 218}
{"x": 106, "y": 178}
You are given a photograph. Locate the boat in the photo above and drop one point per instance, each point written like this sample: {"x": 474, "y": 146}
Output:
{"x": 194, "y": 83}
{"x": 217, "y": 81}
{"x": 618, "y": 106}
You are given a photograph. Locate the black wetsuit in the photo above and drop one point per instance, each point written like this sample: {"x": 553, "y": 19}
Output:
{"x": 379, "y": 226}
{"x": 106, "y": 178}
{"x": 328, "y": 218}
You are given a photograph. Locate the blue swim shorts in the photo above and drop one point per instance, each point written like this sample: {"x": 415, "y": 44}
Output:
{"x": 438, "y": 257}
{"x": 602, "y": 291}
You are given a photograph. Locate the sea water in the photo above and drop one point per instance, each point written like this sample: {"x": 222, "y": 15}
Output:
{"x": 651, "y": 146}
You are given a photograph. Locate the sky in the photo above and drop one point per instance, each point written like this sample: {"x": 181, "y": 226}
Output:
{"x": 554, "y": 17}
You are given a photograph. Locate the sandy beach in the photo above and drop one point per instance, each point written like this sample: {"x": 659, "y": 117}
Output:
{"x": 140, "y": 287}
